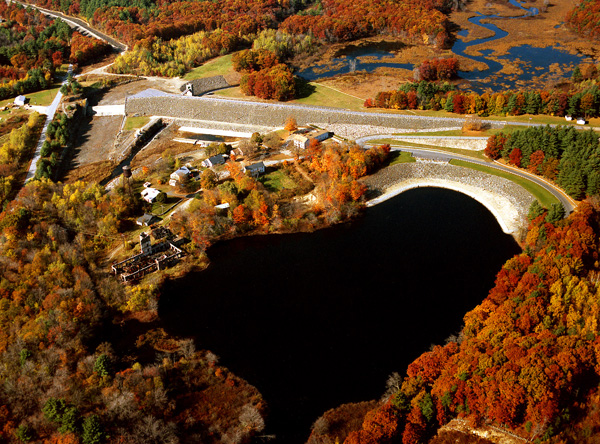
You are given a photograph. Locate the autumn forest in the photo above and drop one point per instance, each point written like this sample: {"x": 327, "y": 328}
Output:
{"x": 81, "y": 357}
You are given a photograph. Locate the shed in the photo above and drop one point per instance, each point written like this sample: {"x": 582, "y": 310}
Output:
{"x": 147, "y": 219}
{"x": 20, "y": 100}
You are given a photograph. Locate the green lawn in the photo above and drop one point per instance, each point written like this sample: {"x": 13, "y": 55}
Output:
{"x": 42, "y": 98}
{"x": 135, "y": 122}
{"x": 277, "y": 181}
{"x": 321, "y": 96}
{"x": 468, "y": 153}
{"x": 541, "y": 194}
{"x": 401, "y": 157}
{"x": 325, "y": 96}
{"x": 159, "y": 208}
{"x": 215, "y": 67}
{"x": 233, "y": 93}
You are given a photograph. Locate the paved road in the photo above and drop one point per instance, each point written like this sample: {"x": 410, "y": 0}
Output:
{"x": 50, "y": 111}
{"x": 568, "y": 203}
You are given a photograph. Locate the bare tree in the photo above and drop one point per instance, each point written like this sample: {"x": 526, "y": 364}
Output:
{"x": 188, "y": 348}
{"x": 251, "y": 419}
{"x": 392, "y": 385}
{"x": 211, "y": 358}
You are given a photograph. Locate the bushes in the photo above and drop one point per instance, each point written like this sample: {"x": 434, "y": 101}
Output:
{"x": 270, "y": 83}
{"x": 57, "y": 136}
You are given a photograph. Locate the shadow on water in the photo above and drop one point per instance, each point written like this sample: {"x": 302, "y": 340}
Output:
{"x": 315, "y": 320}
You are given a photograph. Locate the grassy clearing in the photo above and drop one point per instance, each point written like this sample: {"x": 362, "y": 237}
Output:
{"x": 159, "y": 208}
{"x": 401, "y": 157}
{"x": 467, "y": 153}
{"x": 215, "y": 67}
{"x": 135, "y": 122}
{"x": 321, "y": 95}
{"x": 277, "y": 181}
{"x": 232, "y": 93}
{"x": 43, "y": 98}
{"x": 541, "y": 194}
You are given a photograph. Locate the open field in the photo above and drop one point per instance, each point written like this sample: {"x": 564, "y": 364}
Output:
{"x": 40, "y": 98}
{"x": 323, "y": 95}
{"x": 135, "y": 122}
{"x": 401, "y": 157}
{"x": 277, "y": 180}
{"x": 215, "y": 67}
{"x": 468, "y": 153}
{"x": 543, "y": 196}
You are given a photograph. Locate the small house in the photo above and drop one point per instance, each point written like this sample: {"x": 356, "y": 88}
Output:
{"x": 147, "y": 219}
{"x": 150, "y": 194}
{"x": 20, "y": 100}
{"x": 299, "y": 141}
{"x": 256, "y": 169}
{"x": 222, "y": 208}
{"x": 302, "y": 141}
{"x": 179, "y": 176}
{"x": 568, "y": 118}
{"x": 238, "y": 152}
{"x": 218, "y": 159}
{"x": 581, "y": 121}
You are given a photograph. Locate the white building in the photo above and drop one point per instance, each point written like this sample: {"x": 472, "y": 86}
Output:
{"x": 150, "y": 194}
{"x": 179, "y": 176}
{"x": 20, "y": 100}
{"x": 302, "y": 141}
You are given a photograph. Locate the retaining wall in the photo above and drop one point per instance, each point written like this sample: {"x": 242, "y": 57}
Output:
{"x": 272, "y": 114}
{"x": 506, "y": 200}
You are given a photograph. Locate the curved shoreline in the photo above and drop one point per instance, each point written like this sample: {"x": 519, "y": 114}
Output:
{"x": 508, "y": 202}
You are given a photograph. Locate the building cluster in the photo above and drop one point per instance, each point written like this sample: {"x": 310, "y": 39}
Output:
{"x": 302, "y": 140}
{"x": 153, "y": 257}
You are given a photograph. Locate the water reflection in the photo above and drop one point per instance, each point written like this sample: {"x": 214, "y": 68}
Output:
{"x": 534, "y": 62}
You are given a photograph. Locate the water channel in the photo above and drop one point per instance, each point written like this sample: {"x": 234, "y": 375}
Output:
{"x": 535, "y": 61}
{"x": 314, "y": 320}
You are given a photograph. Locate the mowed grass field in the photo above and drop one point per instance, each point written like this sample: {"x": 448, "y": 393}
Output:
{"x": 215, "y": 67}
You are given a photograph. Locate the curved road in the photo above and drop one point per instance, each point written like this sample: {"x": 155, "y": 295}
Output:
{"x": 567, "y": 203}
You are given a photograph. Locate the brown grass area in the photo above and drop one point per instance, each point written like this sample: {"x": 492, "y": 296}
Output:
{"x": 12, "y": 122}
{"x": 92, "y": 172}
{"x": 99, "y": 64}
{"x": 163, "y": 145}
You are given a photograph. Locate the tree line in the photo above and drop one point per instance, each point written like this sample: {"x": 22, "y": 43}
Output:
{"x": 582, "y": 101}
{"x": 565, "y": 155}
{"x": 64, "y": 377}
{"x": 33, "y": 46}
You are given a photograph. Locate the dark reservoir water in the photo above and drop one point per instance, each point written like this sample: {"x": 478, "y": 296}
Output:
{"x": 315, "y": 320}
